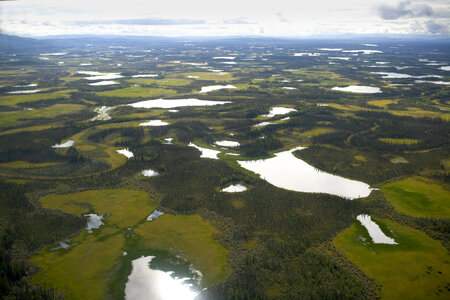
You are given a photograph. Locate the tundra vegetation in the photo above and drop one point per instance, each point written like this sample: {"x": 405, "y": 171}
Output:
{"x": 261, "y": 243}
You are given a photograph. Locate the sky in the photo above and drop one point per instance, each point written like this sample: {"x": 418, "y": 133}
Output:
{"x": 283, "y": 18}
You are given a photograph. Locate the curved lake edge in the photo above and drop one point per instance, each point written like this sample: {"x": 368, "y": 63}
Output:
{"x": 304, "y": 177}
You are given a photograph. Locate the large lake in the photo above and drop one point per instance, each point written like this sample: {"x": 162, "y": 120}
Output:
{"x": 286, "y": 171}
{"x": 172, "y": 103}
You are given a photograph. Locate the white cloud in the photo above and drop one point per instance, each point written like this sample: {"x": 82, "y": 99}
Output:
{"x": 232, "y": 17}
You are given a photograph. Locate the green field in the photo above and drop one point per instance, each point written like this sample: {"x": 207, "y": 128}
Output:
{"x": 126, "y": 207}
{"x": 419, "y": 197}
{"x": 95, "y": 255}
{"x": 194, "y": 237}
{"x": 138, "y": 92}
{"x": 399, "y": 141}
{"x": 11, "y": 118}
{"x": 417, "y": 268}
{"x": 15, "y": 99}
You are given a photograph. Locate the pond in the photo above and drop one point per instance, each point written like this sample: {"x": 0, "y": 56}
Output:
{"x": 149, "y": 173}
{"x": 125, "y": 152}
{"x": 206, "y": 153}
{"x": 234, "y": 188}
{"x": 105, "y": 82}
{"x": 210, "y": 88}
{"x": 145, "y": 75}
{"x": 67, "y": 144}
{"x": 279, "y": 110}
{"x": 375, "y": 231}
{"x": 226, "y": 143}
{"x": 154, "y": 123}
{"x": 160, "y": 278}
{"x": 24, "y": 92}
{"x": 284, "y": 170}
{"x": 362, "y": 89}
{"x": 172, "y": 103}
{"x": 155, "y": 215}
{"x": 94, "y": 221}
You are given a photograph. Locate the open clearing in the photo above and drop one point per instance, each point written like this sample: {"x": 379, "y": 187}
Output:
{"x": 419, "y": 197}
{"x": 417, "y": 268}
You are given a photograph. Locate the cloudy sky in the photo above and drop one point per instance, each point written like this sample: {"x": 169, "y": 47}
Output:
{"x": 218, "y": 18}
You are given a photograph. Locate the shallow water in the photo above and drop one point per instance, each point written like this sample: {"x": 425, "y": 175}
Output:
{"x": 365, "y": 51}
{"x": 155, "y": 215}
{"x": 234, "y": 188}
{"x": 279, "y": 110}
{"x": 262, "y": 124}
{"x": 126, "y": 152}
{"x": 286, "y": 171}
{"x": 434, "y": 82}
{"x": 26, "y": 85}
{"x": 154, "y": 123}
{"x": 67, "y": 144}
{"x": 94, "y": 221}
{"x": 102, "y": 113}
{"x": 210, "y": 88}
{"x": 146, "y": 282}
{"x": 206, "y": 153}
{"x": 24, "y": 92}
{"x": 144, "y": 75}
{"x": 306, "y": 54}
{"x": 374, "y": 230}
{"x": 388, "y": 75}
{"x": 358, "y": 89}
{"x": 224, "y": 57}
{"x": 149, "y": 173}
{"x": 226, "y": 143}
{"x": 330, "y": 49}
{"x": 171, "y": 103}
{"x": 105, "y": 82}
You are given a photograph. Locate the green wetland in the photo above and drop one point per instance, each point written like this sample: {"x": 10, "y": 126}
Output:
{"x": 148, "y": 166}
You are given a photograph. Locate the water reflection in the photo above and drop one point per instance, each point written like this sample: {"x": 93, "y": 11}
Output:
{"x": 286, "y": 171}
{"x": 158, "y": 278}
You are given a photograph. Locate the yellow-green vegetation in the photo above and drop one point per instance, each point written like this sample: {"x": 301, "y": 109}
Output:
{"x": 360, "y": 158}
{"x": 193, "y": 236}
{"x": 317, "y": 131}
{"x": 381, "y": 103}
{"x": 162, "y": 82}
{"x": 25, "y": 165}
{"x": 30, "y": 129}
{"x": 15, "y": 99}
{"x": 81, "y": 271}
{"x": 99, "y": 151}
{"x": 420, "y": 113}
{"x": 126, "y": 207}
{"x": 417, "y": 268}
{"x": 323, "y": 76}
{"x": 445, "y": 163}
{"x": 210, "y": 76}
{"x": 138, "y": 92}
{"x": 398, "y": 141}
{"x": 11, "y": 118}
{"x": 419, "y": 197}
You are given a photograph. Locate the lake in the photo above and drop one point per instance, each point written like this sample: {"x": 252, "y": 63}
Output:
{"x": 172, "y": 103}
{"x": 206, "y": 153}
{"x": 362, "y": 89}
{"x": 157, "y": 280}
{"x": 284, "y": 170}
{"x": 375, "y": 231}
